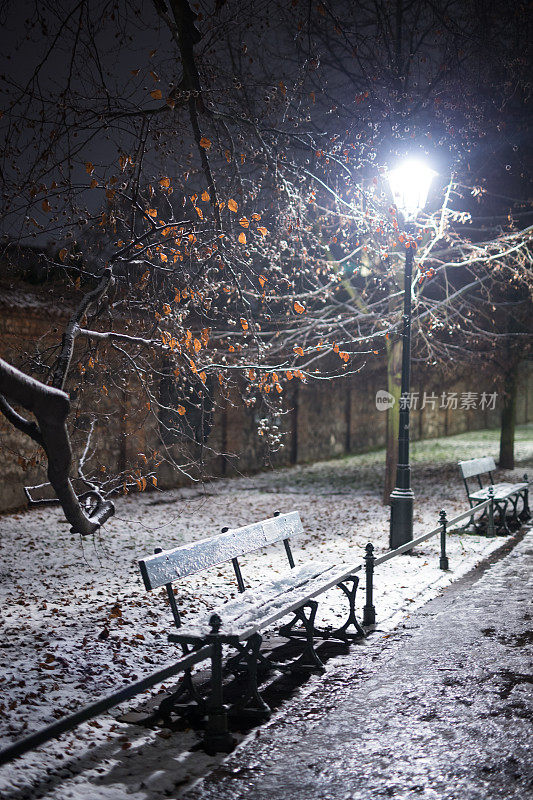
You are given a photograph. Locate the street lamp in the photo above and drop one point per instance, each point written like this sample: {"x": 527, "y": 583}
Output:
{"x": 409, "y": 185}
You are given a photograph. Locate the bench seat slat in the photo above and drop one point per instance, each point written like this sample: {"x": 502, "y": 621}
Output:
{"x": 501, "y": 491}
{"x": 168, "y": 566}
{"x": 255, "y": 609}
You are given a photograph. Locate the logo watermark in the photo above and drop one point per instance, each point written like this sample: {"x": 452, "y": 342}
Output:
{"x": 384, "y": 400}
{"x": 482, "y": 401}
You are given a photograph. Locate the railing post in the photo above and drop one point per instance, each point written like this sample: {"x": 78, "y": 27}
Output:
{"x": 217, "y": 738}
{"x": 443, "y": 563}
{"x": 490, "y": 523}
{"x": 369, "y": 611}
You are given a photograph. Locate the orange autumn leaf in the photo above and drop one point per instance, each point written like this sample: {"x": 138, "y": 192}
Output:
{"x": 202, "y": 376}
{"x": 256, "y": 217}
{"x": 154, "y": 480}
{"x": 152, "y": 212}
{"x": 263, "y": 231}
{"x": 166, "y": 308}
{"x": 298, "y": 307}
{"x": 62, "y": 254}
{"x": 262, "y": 280}
{"x": 180, "y": 410}
{"x": 205, "y": 196}
{"x": 298, "y": 350}
{"x": 232, "y": 205}
{"x": 197, "y": 345}
{"x": 289, "y": 375}
{"x": 205, "y": 143}
{"x": 45, "y": 205}
{"x": 94, "y": 183}
{"x": 244, "y": 221}
{"x": 199, "y": 212}
{"x": 164, "y": 182}
{"x": 244, "y": 324}
{"x": 251, "y": 374}
{"x": 156, "y": 94}
{"x": 89, "y": 168}
{"x": 242, "y": 238}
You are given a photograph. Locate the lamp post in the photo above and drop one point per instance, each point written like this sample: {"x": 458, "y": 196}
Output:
{"x": 409, "y": 184}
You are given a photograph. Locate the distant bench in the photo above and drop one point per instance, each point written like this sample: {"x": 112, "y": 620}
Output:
{"x": 239, "y": 622}
{"x": 503, "y": 493}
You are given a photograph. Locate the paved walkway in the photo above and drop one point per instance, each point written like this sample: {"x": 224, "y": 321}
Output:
{"x": 442, "y": 711}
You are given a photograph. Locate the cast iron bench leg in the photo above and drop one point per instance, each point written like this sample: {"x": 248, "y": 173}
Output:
{"x": 309, "y": 659}
{"x": 501, "y": 505}
{"x": 342, "y": 632}
{"x": 515, "y": 519}
{"x": 526, "y": 513}
{"x": 246, "y": 662}
{"x": 186, "y": 692}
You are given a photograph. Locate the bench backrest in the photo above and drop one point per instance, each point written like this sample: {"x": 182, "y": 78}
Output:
{"x": 167, "y": 566}
{"x": 477, "y": 466}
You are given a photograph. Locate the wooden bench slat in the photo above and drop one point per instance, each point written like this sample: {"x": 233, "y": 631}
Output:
{"x": 477, "y": 466}
{"x": 501, "y": 491}
{"x": 169, "y": 565}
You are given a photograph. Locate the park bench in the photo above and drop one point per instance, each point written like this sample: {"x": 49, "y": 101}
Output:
{"x": 504, "y": 494}
{"x": 240, "y": 622}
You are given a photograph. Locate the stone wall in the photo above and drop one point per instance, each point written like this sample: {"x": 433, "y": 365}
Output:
{"x": 324, "y": 419}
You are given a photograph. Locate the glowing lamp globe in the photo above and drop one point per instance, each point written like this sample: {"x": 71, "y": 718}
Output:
{"x": 409, "y": 185}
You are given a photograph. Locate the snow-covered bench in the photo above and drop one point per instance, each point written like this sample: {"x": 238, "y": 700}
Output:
{"x": 239, "y": 622}
{"x": 503, "y": 493}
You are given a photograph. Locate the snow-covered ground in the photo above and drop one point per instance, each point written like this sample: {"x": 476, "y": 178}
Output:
{"x": 77, "y": 622}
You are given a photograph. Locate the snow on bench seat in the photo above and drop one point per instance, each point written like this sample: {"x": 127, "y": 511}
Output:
{"x": 501, "y": 491}
{"x": 255, "y": 609}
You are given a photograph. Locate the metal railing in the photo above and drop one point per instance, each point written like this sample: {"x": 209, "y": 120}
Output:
{"x": 371, "y": 561}
{"x": 99, "y": 706}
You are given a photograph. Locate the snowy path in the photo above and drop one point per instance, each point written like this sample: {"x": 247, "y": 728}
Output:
{"x": 443, "y": 712}
{"x": 77, "y": 623}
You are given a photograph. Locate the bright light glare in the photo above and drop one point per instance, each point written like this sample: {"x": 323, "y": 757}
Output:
{"x": 409, "y": 185}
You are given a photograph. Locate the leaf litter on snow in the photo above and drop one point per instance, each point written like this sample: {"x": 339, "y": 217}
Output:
{"x": 78, "y": 624}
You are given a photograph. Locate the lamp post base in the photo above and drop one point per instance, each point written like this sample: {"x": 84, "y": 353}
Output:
{"x": 401, "y": 517}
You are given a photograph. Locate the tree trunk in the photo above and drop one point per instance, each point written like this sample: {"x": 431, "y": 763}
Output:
{"x": 506, "y": 460}
{"x": 394, "y": 387}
